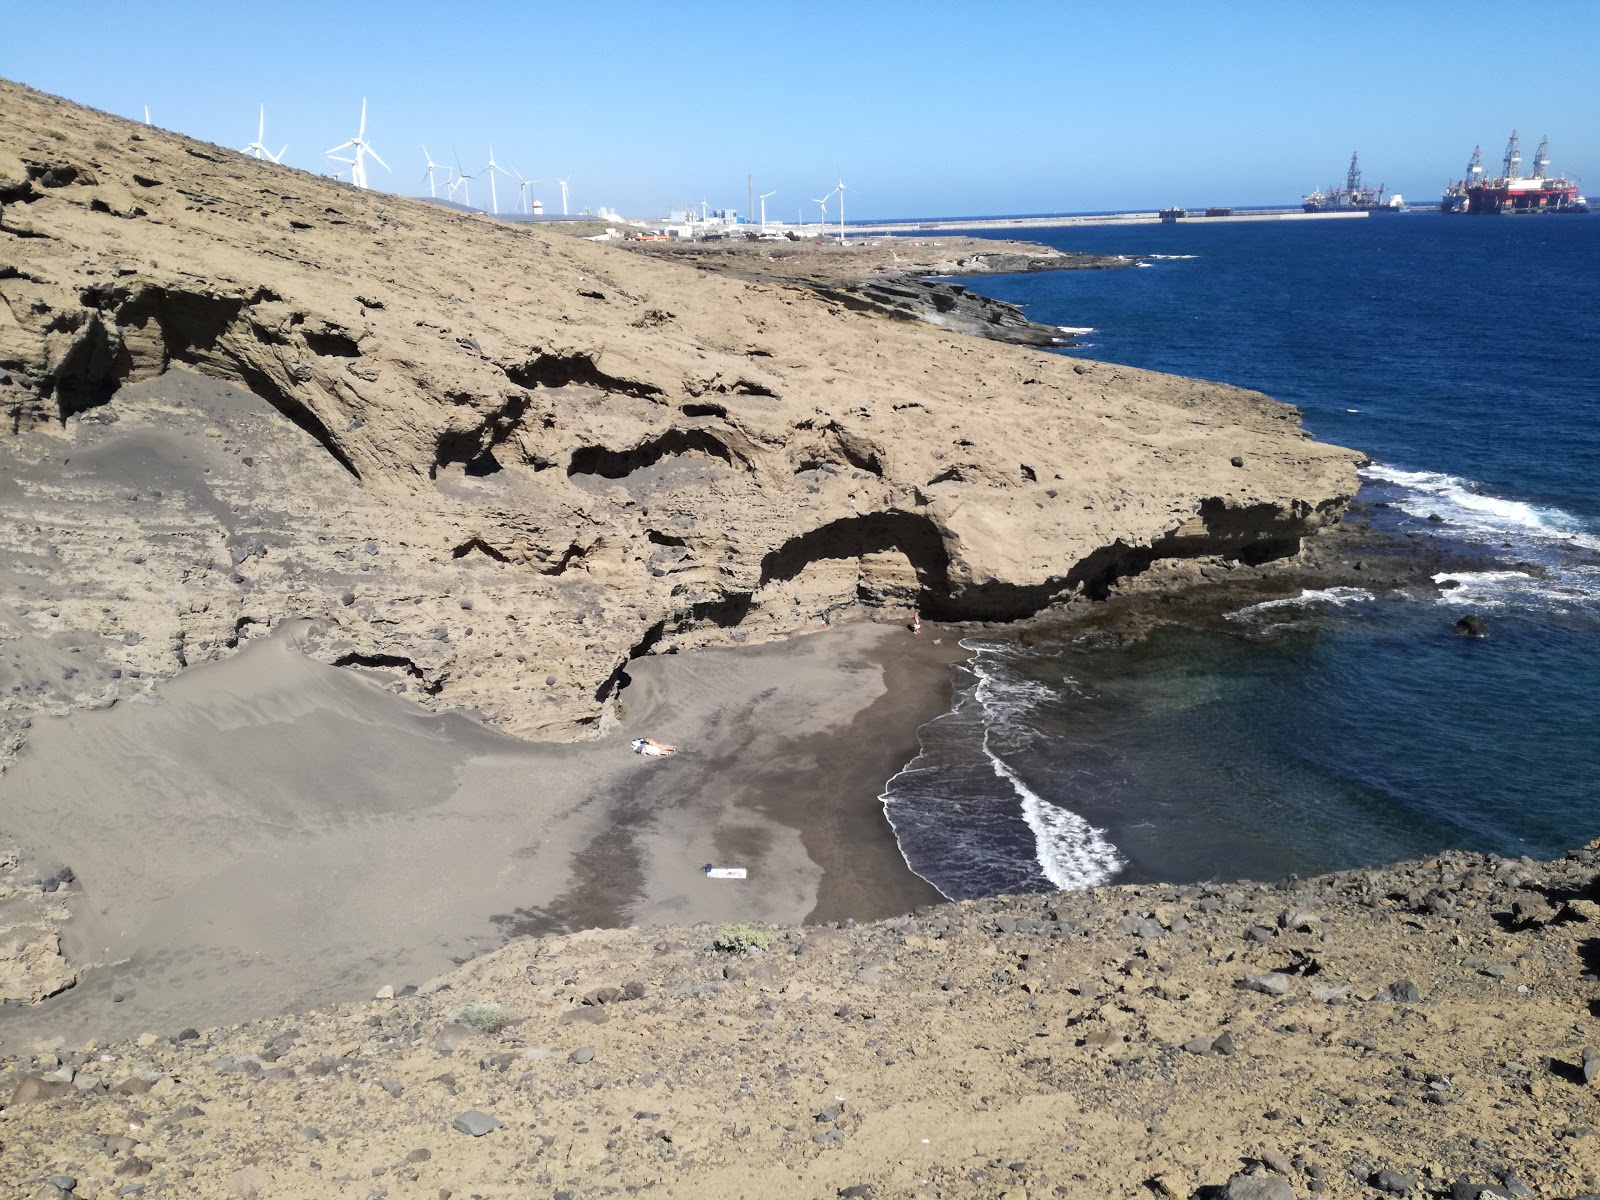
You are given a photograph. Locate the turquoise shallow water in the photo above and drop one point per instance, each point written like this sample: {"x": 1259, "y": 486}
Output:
{"x": 1463, "y": 356}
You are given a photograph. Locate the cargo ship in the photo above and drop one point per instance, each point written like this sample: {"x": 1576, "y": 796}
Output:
{"x": 1353, "y": 196}
{"x": 1511, "y": 191}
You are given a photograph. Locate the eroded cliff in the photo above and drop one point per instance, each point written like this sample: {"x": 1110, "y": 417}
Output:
{"x": 499, "y": 463}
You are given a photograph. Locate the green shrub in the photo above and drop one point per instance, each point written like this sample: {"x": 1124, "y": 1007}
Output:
{"x": 740, "y": 939}
{"x": 487, "y": 1018}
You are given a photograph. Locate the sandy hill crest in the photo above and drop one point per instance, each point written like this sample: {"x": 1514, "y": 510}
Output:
{"x": 499, "y": 462}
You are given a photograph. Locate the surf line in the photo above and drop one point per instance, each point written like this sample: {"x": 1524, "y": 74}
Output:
{"x": 1072, "y": 854}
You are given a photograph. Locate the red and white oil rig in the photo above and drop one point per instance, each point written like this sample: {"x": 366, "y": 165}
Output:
{"x": 1511, "y": 191}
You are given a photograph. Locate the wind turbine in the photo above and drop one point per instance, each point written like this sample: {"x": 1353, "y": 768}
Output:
{"x": 491, "y": 167}
{"x": 255, "y": 149}
{"x": 840, "y": 189}
{"x": 358, "y": 166}
{"x": 524, "y": 192}
{"x": 764, "y": 196}
{"x": 433, "y": 187}
{"x": 563, "y": 183}
{"x": 465, "y": 181}
{"x": 350, "y": 161}
{"x": 823, "y": 204}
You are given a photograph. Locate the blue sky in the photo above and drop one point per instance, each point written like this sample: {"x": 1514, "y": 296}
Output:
{"x": 934, "y": 108}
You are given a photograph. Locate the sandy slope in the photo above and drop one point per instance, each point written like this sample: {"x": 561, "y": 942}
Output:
{"x": 1431, "y": 1020}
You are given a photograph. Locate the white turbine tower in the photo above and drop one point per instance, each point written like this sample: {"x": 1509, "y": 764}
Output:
{"x": 764, "y": 196}
{"x": 464, "y": 181}
{"x": 563, "y": 183}
{"x": 840, "y": 189}
{"x": 147, "y": 114}
{"x": 358, "y": 166}
{"x": 256, "y": 149}
{"x": 524, "y": 192}
{"x": 433, "y": 187}
{"x": 491, "y": 167}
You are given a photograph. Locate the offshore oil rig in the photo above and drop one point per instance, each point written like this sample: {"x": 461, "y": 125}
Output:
{"x": 1511, "y": 191}
{"x": 1353, "y": 196}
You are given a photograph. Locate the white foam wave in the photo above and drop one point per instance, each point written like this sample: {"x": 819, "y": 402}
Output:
{"x": 1337, "y": 596}
{"x": 1562, "y": 591}
{"x": 1076, "y": 329}
{"x": 1478, "y": 578}
{"x": 1072, "y": 853}
{"x": 1170, "y": 257}
{"x": 1458, "y": 502}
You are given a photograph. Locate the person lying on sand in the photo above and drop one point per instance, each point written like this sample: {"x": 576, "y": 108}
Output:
{"x": 652, "y": 748}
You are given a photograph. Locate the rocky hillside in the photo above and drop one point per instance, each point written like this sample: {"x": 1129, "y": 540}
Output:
{"x": 1425, "y": 1030}
{"x": 499, "y": 463}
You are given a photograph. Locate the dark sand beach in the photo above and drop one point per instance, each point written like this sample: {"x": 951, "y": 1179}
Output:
{"x": 270, "y": 833}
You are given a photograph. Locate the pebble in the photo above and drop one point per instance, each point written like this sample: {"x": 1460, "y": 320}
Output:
{"x": 1258, "y": 1187}
{"x": 476, "y": 1123}
{"x": 310, "y": 1133}
{"x": 1270, "y": 983}
{"x": 1276, "y": 1162}
{"x": 1402, "y": 991}
{"x": 582, "y": 1055}
{"x": 1396, "y": 1183}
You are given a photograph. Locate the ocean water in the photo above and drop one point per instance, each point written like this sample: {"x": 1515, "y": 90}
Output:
{"x": 1338, "y": 728}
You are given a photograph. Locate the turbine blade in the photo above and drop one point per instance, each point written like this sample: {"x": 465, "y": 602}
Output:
{"x": 343, "y": 145}
{"x": 282, "y": 152}
{"x": 363, "y": 132}
{"x": 381, "y": 163}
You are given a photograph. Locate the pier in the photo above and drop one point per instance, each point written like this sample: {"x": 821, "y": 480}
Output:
{"x": 1128, "y": 218}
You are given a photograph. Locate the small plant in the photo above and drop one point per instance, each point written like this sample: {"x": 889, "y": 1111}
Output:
{"x": 487, "y": 1018}
{"x": 740, "y": 939}
{"x": 57, "y": 134}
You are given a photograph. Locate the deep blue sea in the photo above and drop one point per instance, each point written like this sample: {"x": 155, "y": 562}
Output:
{"x": 1341, "y": 728}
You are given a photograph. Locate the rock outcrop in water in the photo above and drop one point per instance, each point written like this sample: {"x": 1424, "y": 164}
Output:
{"x": 890, "y": 277}
{"x": 497, "y": 464}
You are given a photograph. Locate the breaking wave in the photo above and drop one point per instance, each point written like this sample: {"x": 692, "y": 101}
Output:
{"x": 963, "y": 815}
{"x": 1460, "y": 502}
{"x": 1337, "y": 596}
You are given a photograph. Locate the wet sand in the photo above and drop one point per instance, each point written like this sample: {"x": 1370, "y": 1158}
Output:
{"x": 273, "y": 834}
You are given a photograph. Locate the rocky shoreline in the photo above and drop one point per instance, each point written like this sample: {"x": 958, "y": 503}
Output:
{"x": 903, "y": 279}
